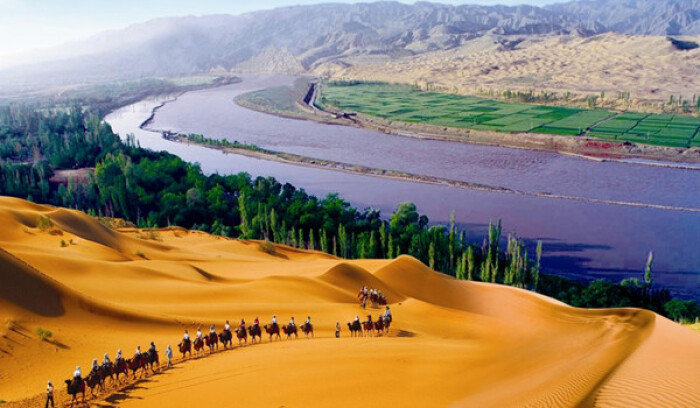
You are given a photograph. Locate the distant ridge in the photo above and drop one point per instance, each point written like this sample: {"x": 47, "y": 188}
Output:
{"x": 312, "y": 35}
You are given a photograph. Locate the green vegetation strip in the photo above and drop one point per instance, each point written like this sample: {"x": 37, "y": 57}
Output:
{"x": 405, "y": 103}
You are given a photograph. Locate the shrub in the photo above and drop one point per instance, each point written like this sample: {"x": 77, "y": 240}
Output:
{"x": 44, "y": 223}
{"x": 268, "y": 248}
{"x": 141, "y": 254}
{"x": 43, "y": 334}
{"x": 63, "y": 243}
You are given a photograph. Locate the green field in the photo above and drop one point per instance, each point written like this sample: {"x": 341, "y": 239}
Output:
{"x": 406, "y": 104}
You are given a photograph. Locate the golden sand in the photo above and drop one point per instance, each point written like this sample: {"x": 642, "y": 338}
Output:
{"x": 453, "y": 343}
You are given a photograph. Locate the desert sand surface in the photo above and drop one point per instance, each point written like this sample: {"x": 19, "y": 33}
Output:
{"x": 453, "y": 343}
{"x": 649, "y": 67}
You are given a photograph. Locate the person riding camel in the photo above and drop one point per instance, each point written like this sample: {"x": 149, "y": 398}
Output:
{"x": 357, "y": 318}
{"x": 369, "y": 318}
{"x": 256, "y": 322}
{"x": 199, "y": 332}
{"x": 118, "y": 357}
{"x": 212, "y": 329}
{"x": 186, "y": 337}
{"x": 152, "y": 349}
{"x": 137, "y": 355}
{"x": 308, "y": 321}
{"x": 227, "y": 326}
{"x": 95, "y": 366}
{"x": 291, "y": 322}
{"x": 106, "y": 361}
{"x": 387, "y": 313}
{"x": 242, "y": 325}
{"x": 78, "y": 375}
{"x": 274, "y": 321}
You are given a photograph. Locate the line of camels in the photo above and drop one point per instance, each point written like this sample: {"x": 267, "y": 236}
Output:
{"x": 149, "y": 361}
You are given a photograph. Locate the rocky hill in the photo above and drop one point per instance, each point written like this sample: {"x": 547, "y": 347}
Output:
{"x": 320, "y": 33}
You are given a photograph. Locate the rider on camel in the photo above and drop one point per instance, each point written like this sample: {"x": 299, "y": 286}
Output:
{"x": 242, "y": 324}
{"x": 118, "y": 357}
{"x": 308, "y": 321}
{"x": 256, "y": 322}
{"x": 291, "y": 322}
{"x": 357, "y": 318}
{"x": 212, "y": 329}
{"x": 199, "y": 332}
{"x": 369, "y": 318}
{"x": 227, "y": 326}
{"x": 78, "y": 375}
{"x": 387, "y": 313}
{"x": 106, "y": 361}
{"x": 274, "y": 321}
{"x": 186, "y": 337}
{"x": 95, "y": 366}
{"x": 137, "y": 355}
{"x": 152, "y": 349}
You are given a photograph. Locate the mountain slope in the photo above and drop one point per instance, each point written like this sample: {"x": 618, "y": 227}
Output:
{"x": 312, "y": 35}
{"x": 648, "y": 17}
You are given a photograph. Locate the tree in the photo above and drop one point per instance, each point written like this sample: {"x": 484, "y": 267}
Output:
{"x": 243, "y": 211}
{"x": 461, "y": 267}
{"x": 312, "y": 241}
{"x": 680, "y": 310}
{"x": 452, "y": 238}
{"x": 648, "y": 277}
{"x": 471, "y": 263}
{"x": 431, "y": 255}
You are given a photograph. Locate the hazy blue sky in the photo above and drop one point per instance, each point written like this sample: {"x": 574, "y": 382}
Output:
{"x": 26, "y": 25}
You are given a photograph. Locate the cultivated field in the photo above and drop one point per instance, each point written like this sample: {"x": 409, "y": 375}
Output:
{"x": 407, "y": 104}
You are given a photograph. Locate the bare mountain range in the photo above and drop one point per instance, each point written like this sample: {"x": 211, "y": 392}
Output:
{"x": 309, "y": 36}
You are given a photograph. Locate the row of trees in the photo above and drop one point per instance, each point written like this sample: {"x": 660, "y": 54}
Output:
{"x": 158, "y": 189}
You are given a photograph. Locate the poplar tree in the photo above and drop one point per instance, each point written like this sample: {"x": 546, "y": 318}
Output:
{"x": 382, "y": 241}
{"x": 243, "y": 211}
{"x": 324, "y": 241}
{"x": 471, "y": 263}
{"x": 312, "y": 241}
{"x": 431, "y": 255}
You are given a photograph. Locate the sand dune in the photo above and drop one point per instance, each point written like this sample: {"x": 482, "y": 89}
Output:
{"x": 647, "y": 66}
{"x": 453, "y": 344}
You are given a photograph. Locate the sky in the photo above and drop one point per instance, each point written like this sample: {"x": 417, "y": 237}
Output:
{"x": 28, "y": 25}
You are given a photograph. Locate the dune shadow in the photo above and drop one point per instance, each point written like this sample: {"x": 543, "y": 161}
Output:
{"x": 58, "y": 344}
{"x": 24, "y": 286}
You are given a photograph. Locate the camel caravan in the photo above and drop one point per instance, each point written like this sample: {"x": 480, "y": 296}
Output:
{"x": 142, "y": 363}
{"x": 375, "y": 297}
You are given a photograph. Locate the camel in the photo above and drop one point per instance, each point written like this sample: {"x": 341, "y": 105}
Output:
{"x": 74, "y": 388}
{"x": 289, "y": 330}
{"x": 226, "y": 338}
{"x": 242, "y": 334}
{"x": 273, "y": 330}
{"x": 212, "y": 341}
{"x": 255, "y": 331}
{"x": 307, "y": 328}
{"x": 198, "y": 346}
{"x": 185, "y": 347}
{"x": 355, "y": 328}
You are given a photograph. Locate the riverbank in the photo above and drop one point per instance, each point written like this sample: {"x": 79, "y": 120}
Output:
{"x": 592, "y": 149}
{"x": 584, "y": 241}
{"x": 288, "y": 158}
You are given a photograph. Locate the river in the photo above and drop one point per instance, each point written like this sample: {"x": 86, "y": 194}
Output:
{"x": 581, "y": 239}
